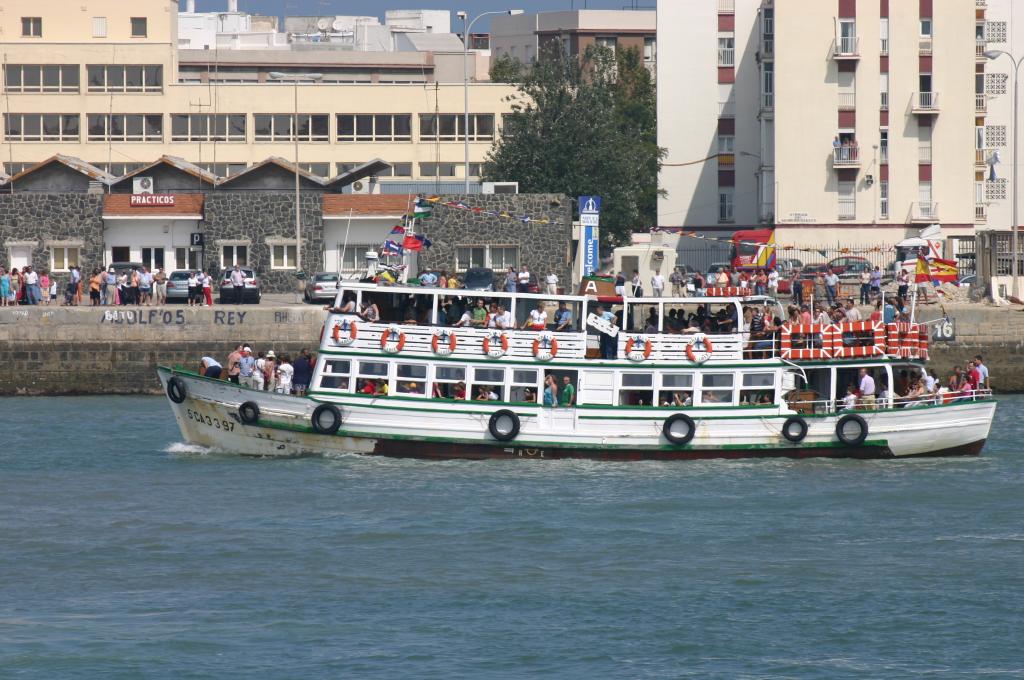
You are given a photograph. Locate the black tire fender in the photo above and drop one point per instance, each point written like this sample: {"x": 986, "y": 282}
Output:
{"x": 326, "y": 419}
{"x": 176, "y": 390}
{"x": 794, "y": 429}
{"x": 844, "y": 436}
{"x": 249, "y": 412}
{"x": 670, "y": 429}
{"x": 504, "y": 425}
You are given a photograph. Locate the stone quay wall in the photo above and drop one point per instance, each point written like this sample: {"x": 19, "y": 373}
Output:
{"x": 90, "y": 350}
{"x": 115, "y": 350}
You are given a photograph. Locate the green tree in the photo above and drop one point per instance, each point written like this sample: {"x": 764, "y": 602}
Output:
{"x": 586, "y": 127}
{"x": 507, "y": 69}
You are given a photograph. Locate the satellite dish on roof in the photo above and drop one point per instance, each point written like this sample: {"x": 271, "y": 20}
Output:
{"x": 323, "y": 24}
{"x": 338, "y": 25}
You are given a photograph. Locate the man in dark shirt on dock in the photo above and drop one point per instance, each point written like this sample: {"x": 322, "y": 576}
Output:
{"x": 303, "y": 368}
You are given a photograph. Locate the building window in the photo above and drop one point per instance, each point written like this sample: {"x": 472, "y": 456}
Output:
{"x": 207, "y": 127}
{"x": 768, "y": 85}
{"x": 282, "y": 256}
{"x": 883, "y": 34}
{"x": 279, "y": 127}
{"x": 396, "y": 170}
{"x": 318, "y": 169}
{"x": 223, "y": 169}
{"x": 438, "y": 169}
{"x": 125, "y": 127}
{"x": 153, "y": 258}
{"x": 847, "y": 36}
{"x": 499, "y": 258}
{"x": 27, "y": 78}
{"x": 32, "y": 27}
{"x": 883, "y": 86}
{"x": 234, "y": 255}
{"x": 99, "y": 27}
{"x": 62, "y": 259}
{"x": 41, "y": 127}
{"x": 726, "y": 50}
{"x": 726, "y": 144}
{"x": 13, "y": 169}
{"x": 926, "y": 27}
{"x": 725, "y": 213}
{"x": 924, "y": 144}
{"x": 139, "y": 27}
{"x": 607, "y": 41}
{"x": 448, "y": 127}
{"x": 650, "y": 50}
{"x": 118, "y": 169}
{"x": 883, "y": 146}
{"x": 847, "y": 201}
{"x": 352, "y": 260}
{"x": 186, "y": 258}
{"x": 116, "y": 78}
{"x": 385, "y": 127}
{"x": 925, "y": 206}
{"x": 883, "y": 195}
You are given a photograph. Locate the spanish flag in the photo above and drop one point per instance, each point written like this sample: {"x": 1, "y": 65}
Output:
{"x": 944, "y": 271}
{"x": 923, "y": 273}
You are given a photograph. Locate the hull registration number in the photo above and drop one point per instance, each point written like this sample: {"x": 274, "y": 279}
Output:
{"x": 209, "y": 421}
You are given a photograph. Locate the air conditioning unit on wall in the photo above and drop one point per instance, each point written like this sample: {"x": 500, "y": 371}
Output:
{"x": 142, "y": 185}
{"x": 500, "y": 188}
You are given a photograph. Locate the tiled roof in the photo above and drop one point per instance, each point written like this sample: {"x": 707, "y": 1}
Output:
{"x": 339, "y": 205}
{"x": 185, "y": 205}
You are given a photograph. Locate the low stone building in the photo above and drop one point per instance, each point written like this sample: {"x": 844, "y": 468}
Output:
{"x": 172, "y": 214}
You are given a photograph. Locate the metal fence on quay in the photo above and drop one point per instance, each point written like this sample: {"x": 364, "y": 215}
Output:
{"x": 702, "y": 253}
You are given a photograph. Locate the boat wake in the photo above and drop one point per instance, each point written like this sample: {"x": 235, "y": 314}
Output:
{"x": 184, "y": 449}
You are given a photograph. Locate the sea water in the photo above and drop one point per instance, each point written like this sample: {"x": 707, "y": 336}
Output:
{"x": 126, "y": 554}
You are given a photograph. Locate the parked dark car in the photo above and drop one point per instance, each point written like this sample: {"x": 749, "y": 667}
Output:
{"x": 850, "y": 265}
{"x": 250, "y": 294}
{"x": 478, "y": 278}
{"x": 811, "y": 271}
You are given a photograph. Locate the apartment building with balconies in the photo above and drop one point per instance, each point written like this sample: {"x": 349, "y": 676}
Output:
{"x": 852, "y": 121}
{"x": 101, "y": 80}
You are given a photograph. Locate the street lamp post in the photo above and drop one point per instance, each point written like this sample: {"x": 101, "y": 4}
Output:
{"x": 295, "y": 78}
{"x": 466, "y": 28}
{"x": 995, "y": 54}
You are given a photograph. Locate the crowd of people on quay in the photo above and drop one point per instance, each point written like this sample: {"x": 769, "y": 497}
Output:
{"x": 263, "y": 370}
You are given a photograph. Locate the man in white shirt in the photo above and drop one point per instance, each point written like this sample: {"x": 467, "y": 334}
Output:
{"x": 552, "y": 283}
{"x": 831, "y": 282}
{"x": 852, "y": 313}
{"x": 32, "y": 286}
{"x": 658, "y": 284}
{"x": 773, "y": 283}
{"x": 524, "y": 280}
{"x": 238, "y": 283}
{"x": 982, "y": 372}
{"x": 503, "y": 320}
{"x": 867, "y": 389}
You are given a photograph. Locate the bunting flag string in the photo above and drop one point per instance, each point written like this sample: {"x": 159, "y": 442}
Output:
{"x": 503, "y": 214}
{"x": 778, "y": 246}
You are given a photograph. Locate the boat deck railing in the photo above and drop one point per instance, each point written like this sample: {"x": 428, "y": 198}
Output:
{"x": 830, "y": 406}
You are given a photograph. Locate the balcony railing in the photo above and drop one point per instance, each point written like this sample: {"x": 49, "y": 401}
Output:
{"x": 846, "y": 47}
{"x": 726, "y": 6}
{"x": 768, "y": 46}
{"x": 847, "y": 208}
{"x": 925, "y": 211}
{"x": 768, "y": 101}
{"x": 883, "y": 153}
{"x": 979, "y": 49}
{"x": 727, "y": 109}
{"x": 980, "y": 212}
{"x": 981, "y": 157}
{"x": 925, "y": 46}
{"x": 847, "y": 100}
{"x": 980, "y": 103}
{"x": 726, "y": 56}
{"x": 884, "y": 46}
{"x": 845, "y": 156}
{"x": 884, "y": 103}
{"x": 924, "y": 153}
{"x": 926, "y": 102}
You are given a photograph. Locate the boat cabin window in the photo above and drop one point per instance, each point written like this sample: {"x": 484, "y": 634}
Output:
{"x": 449, "y": 382}
{"x": 716, "y": 389}
{"x": 813, "y": 394}
{"x": 411, "y": 379}
{"x": 488, "y": 384}
{"x": 524, "y": 386}
{"x": 676, "y": 389}
{"x": 372, "y": 378}
{"x": 637, "y": 389}
{"x": 335, "y": 374}
{"x": 757, "y": 389}
{"x": 682, "y": 317}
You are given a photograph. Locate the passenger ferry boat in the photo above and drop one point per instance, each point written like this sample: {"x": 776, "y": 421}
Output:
{"x": 648, "y": 383}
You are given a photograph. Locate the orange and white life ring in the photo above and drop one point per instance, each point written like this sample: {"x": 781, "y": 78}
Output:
{"x": 496, "y": 344}
{"x": 545, "y": 346}
{"x": 699, "y": 356}
{"x": 392, "y": 340}
{"x": 638, "y": 348}
{"x": 345, "y": 333}
{"x": 444, "y": 342}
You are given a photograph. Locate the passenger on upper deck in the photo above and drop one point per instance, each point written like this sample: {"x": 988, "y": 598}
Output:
{"x": 563, "y": 318}
{"x": 538, "y": 320}
{"x": 370, "y": 312}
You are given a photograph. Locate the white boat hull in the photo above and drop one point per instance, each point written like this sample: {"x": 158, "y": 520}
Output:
{"x": 208, "y": 416}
